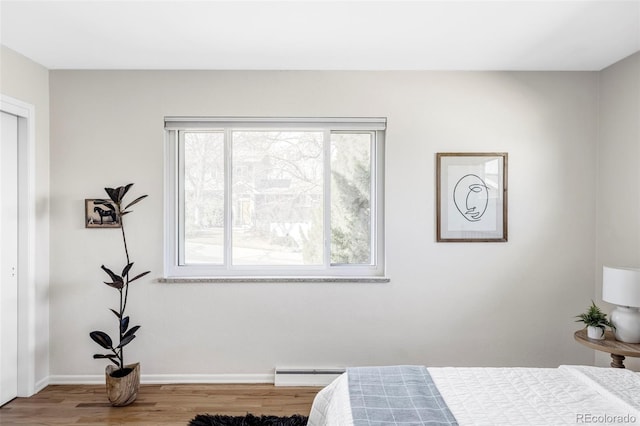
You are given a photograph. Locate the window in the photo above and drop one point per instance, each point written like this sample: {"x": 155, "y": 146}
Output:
{"x": 264, "y": 197}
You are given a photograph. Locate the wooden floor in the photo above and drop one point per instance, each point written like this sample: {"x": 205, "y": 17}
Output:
{"x": 156, "y": 404}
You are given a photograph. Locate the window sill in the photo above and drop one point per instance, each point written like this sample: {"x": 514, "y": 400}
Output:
{"x": 216, "y": 280}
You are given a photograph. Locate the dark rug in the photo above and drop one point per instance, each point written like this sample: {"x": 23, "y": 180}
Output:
{"x": 248, "y": 420}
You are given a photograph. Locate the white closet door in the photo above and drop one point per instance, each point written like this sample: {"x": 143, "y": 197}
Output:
{"x": 8, "y": 258}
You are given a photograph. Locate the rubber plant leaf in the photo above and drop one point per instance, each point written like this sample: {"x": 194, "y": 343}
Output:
{"x": 110, "y": 357}
{"x": 124, "y": 324}
{"x": 103, "y": 202}
{"x": 139, "y": 276}
{"x": 131, "y": 331}
{"x": 126, "y": 269}
{"x": 125, "y": 189}
{"x": 102, "y": 338}
{"x": 118, "y": 285}
{"x": 101, "y": 356}
{"x": 106, "y": 203}
{"x": 113, "y": 194}
{"x": 125, "y": 340}
{"x": 121, "y": 191}
{"x": 135, "y": 201}
{"x": 113, "y": 276}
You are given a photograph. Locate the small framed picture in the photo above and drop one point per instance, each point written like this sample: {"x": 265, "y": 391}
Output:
{"x": 471, "y": 197}
{"x": 100, "y": 213}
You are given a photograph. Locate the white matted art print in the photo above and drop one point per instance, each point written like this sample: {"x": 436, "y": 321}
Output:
{"x": 471, "y": 197}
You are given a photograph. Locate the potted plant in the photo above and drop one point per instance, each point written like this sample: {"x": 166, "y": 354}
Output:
{"x": 595, "y": 321}
{"x": 123, "y": 380}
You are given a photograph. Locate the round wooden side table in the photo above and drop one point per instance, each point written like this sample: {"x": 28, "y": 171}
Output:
{"x": 618, "y": 350}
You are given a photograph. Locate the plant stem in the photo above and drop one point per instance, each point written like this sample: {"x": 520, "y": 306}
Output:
{"x": 123, "y": 306}
{"x": 120, "y": 355}
{"x": 126, "y": 252}
{"x": 124, "y": 237}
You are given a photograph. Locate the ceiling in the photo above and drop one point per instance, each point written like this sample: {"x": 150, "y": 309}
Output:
{"x": 322, "y": 35}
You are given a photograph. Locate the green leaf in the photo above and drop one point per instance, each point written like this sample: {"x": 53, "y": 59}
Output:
{"x": 102, "y": 338}
{"x": 594, "y": 317}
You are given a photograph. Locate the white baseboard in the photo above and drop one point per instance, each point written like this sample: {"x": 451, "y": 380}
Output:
{"x": 165, "y": 379}
{"x": 205, "y": 378}
{"x": 76, "y": 379}
{"x": 41, "y": 384}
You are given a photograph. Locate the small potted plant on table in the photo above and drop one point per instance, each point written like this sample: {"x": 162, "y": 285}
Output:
{"x": 595, "y": 321}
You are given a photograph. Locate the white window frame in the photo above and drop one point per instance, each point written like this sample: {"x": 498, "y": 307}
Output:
{"x": 176, "y": 272}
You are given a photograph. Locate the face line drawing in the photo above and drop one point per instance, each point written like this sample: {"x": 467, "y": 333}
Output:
{"x": 476, "y": 198}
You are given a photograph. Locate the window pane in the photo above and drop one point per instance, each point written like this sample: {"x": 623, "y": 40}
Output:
{"x": 277, "y": 198}
{"x": 351, "y": 198}
{"x": 204, "y": 197}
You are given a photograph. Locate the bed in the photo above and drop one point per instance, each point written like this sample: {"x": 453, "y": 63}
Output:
{"x": 567, "y": 395}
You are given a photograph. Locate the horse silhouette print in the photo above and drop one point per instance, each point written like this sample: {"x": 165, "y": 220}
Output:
{"x": 105, "y": 213}
{"x": 471, "y": 197}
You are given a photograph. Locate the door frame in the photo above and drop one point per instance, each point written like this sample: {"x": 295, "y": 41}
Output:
{"x": 26, "y": 242}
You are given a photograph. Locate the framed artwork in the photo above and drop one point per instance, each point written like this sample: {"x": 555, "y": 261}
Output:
{"x": 471, "y": 197}
{"x": 100, "y": 213}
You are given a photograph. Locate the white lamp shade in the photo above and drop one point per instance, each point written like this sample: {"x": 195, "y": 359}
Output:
{"x": 621, "y": 286}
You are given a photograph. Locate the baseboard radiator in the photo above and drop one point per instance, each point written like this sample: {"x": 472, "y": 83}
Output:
{"x": 306, "y": 376}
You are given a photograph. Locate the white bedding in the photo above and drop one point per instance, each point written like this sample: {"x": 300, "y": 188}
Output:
{"x": 568, "y": 395}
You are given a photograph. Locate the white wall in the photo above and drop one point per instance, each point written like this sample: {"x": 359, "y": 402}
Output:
{"x": 495, "y": 304}
{"x": 618, "y": 201}
{"x": 23, "y": 79}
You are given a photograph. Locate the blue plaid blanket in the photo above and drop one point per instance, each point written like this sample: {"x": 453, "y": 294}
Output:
{"x": 398, "y": 395}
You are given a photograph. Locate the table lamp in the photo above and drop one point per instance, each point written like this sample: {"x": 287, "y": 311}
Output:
{"x": 621, "y": 286}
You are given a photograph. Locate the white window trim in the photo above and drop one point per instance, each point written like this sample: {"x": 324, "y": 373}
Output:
{"x": 174, "y": 272}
